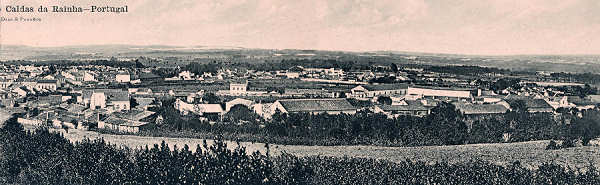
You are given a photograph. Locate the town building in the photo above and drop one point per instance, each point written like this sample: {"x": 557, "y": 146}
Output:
{"x": 122, "y": 125}
{"x": 371, "y": 91}
{"x": 123, "y": 77}
{"x": 406, "y": 107}
{"x": 440, "y": 93}
{"x": 185, "y": 75}
{"x": 238, "y": 88}
{"x": 47, "y": 85}
{"x": 532, "y": 105}
{"x": 313, "y": 106}
{"x": 114, "y": 99}
{"x": 97, "y": 100}
{"x": 210, "y": 111}
{"x": 130, "y": 122}
{"x": 4, "y": 84}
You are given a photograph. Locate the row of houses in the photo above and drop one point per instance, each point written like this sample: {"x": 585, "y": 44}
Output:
{"x": 266, "y": 110}
{"x": 46, "y": 84}
{"x": 426, "y": 99}
{"x": 416, "y": 92}
{"x": 367, "y": 91}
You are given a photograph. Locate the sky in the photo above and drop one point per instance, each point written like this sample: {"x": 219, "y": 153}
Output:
{"x": 491, "y": 27}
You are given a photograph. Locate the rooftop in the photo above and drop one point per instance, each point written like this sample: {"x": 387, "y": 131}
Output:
{"x": 135, "y": 115}
{"x": 117, "y": 96}
{"x": 47, "y": 81}
{"x": 124, "y": 122}
{"x": 531, "y": 103}
{"x": 303, "y": 105}
{"x": 467, "y": 108}
{"x": 382, "y": 87}
{"x": 111, "y": 94}
{"x": 411, "y": 106}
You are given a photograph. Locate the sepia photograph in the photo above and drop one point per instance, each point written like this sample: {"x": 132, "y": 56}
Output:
{"x": 315, "y": 92}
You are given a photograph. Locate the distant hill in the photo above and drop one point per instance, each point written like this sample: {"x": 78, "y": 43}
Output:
{"x": 554, "y": 63}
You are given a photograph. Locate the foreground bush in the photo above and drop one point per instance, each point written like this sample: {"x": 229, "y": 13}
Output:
{"x": 42, "y": 157}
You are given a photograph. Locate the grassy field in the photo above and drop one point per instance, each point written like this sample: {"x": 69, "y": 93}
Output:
{"x": 530, "y": 154}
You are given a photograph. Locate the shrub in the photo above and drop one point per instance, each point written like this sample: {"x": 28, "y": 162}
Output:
{"x": 553, "y": 145}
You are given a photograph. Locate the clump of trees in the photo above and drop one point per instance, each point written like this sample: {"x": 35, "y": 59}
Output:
{"x": 239, "y": 113}
{"x": 166, "y": 72}
{"x": 199, "y": 68}
{"x": 579, "y": 132}
{"x": 589, "y": 78}
{"x": 385, "y": 79}
{"x": 578, "y": 90}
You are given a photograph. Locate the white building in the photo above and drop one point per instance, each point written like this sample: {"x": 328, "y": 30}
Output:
{"x": 113, "y": 99}
{"x": 120, "y": 105}
{"x": 238, "y": 88}
{"x": 370, "y": 91}
{"x": 199, "y": 109}
{"x": 185, "y": 75}
{"x": 292, "y": 75}
{"x": 439, "y": 92}
{"x": 67, "y": 75}
{"x": 20, "y": 92}
{"x": 47, "y": 84}
{"x": 263, "y": 110}
{"x": 122, "y": 125}
{"x": 123, "y": 78}
{"x": 88, "y": 77}
{"x": 5, "y": 84}
{"x": 97, "y": 100}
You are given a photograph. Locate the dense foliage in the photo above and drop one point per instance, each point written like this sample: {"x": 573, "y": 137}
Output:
{"x": 42, "y": 157}
{"x": 198, "y": 68}
{"x": 588, "y": 78}
{"x": 585, "y": 128}
{"x": 581, "y": 91}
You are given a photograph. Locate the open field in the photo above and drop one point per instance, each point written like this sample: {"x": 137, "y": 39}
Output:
{"x": 530, "y": 154}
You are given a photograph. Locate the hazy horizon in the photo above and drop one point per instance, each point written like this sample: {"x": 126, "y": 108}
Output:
{"x": 488, "y": 28}
{"x": 216, "y": 47}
